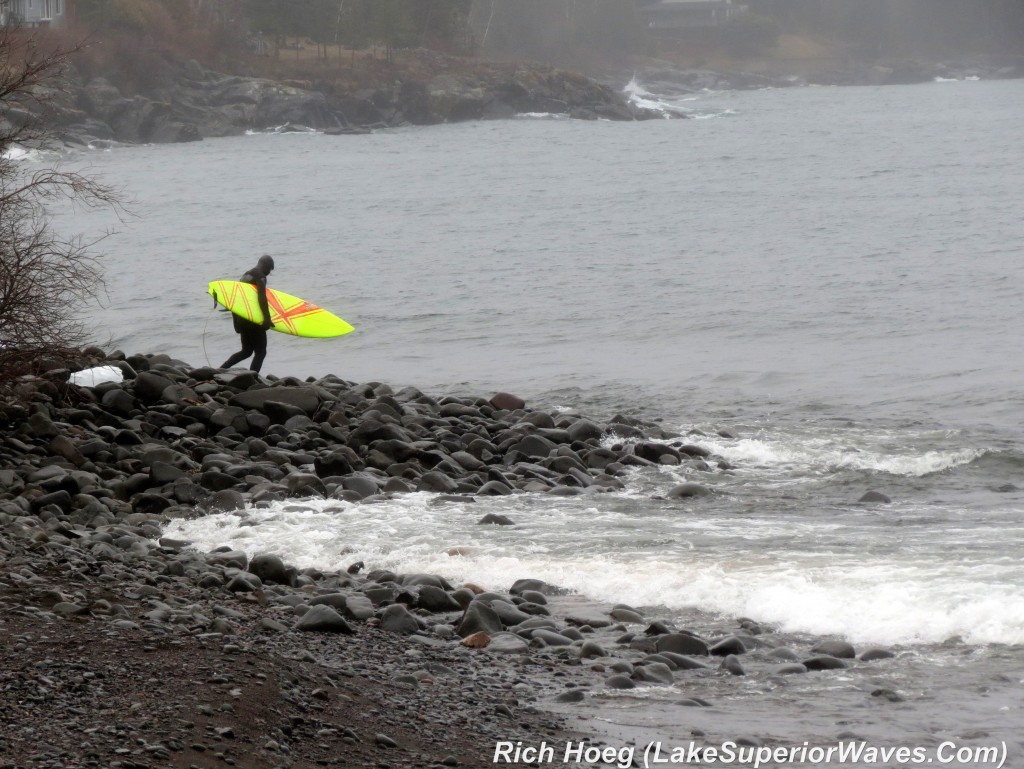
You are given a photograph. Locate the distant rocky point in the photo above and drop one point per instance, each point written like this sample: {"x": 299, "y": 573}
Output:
{"x": 204, "y": 104}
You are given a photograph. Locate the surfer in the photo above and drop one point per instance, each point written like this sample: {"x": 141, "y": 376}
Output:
{"x": 254, "y": 335}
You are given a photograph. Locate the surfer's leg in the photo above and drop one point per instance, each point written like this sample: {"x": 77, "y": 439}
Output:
{"x": 258, "y": 342}
{"x": 247, "y": 350}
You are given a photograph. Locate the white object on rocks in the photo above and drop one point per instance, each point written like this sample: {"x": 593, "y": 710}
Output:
{"x": 90, "y": 377}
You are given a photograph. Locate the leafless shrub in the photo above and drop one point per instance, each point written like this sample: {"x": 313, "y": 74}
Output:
{"x": 44, "y": 278}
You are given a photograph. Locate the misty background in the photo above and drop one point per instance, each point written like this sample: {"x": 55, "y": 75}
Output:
{"x": 577, "y": 32}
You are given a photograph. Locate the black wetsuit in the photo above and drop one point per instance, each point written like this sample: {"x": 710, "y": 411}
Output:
{"x": 254, "y": 335}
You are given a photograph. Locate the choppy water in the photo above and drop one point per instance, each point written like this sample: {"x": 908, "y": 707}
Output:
{"x": 833, "y": 275}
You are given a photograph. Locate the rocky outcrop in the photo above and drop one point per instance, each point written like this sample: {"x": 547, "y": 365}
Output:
{"x": 172, "y": 438}
{"x": 202, "y": 104}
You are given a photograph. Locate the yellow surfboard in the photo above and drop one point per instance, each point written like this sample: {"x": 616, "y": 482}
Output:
{"x": 289, "y": 314}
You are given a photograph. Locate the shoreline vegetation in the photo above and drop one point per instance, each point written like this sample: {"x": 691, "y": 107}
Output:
{"x": 123, "y": 647}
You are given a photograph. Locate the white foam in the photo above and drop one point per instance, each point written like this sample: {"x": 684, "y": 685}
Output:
{"x": 542, "y": 115}
{"x": 900, "y": 599}
{"x": 814, "y": 454}
{"x": 644, "y": 99}
{"x": 19, "y": 153}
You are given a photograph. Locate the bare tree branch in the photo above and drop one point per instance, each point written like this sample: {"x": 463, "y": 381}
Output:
{"x": 44, "y": 278}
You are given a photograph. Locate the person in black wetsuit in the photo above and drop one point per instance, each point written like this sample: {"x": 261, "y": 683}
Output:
{"x": 254, "y": 335}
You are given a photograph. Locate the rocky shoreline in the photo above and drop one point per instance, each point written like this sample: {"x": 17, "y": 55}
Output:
{"x": 666, "y": 79}
{"x": 199, "y": 103}
{"x": 195, "y": 103}
{"x": 121, "y": 647}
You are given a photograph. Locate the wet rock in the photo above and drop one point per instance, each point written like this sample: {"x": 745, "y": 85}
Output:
{"x": 522, "y": 585}
{"x": 628, "y": 616}
{"x": 228, "y": 557}
{"x": 533, "y": 596}
{"x": 323, "y": 619}
{"x": 784, "y": 653}
{"x": 244, "y": 583}
{"x": 573, "y": 695}
{"x": 688, "y": 490}
{"x": 61, "y": 499}
{"x": 479, "y": 616}
{"x": 305, "y": 485}
{"x": 362, "y": 485}
{"x": 338, "y": 601}
{"x": 495, "y": 489}
{"x": 619, "y": 682}
{"x": 336, "y": 462}
{"x": 436, "y": 600}
{"x": 680, "y": 643}
{"x": 149, "y": 387}
{"x": 150, "y": 504}
{"x": 535, "y": 446}
{"x": 727, "y": 646}
{"x": 477, "y": 640}
{"x": 583, "y": 430}
{"x": 840, "y": 649}
{"x": 224, "y": 500}
{"x": 496, "y": 520}
{"x": 731, "y": 664}
{"x": 68, "y": 609}
{"x": 874, "y": 498}
{"x": 682, "y": 662}
{"x": 824, "y": 662}
{"x": 358, "y": 607}
{"x": 551, "y": 638}
{"x": 397, "y": 619}
{"x": 592, "y": 649}
{"x": 590, "y": 618}
{"x": 888, "y": 695}
{"x": 508, "y": 643}
{"x": 508, "y": 613}
{"x": 874, "y": 654}
{"x": 271, "y": 569}
{"x": 655, "y": 673}
{"x": 507, "y": 402}
{"x": 62, "y": 446}
{"x": 437, "y": 482}
{"x": 303, "y": 398}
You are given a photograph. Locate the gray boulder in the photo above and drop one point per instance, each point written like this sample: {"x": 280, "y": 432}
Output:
{"x": 323, "y": 619}
{"x": 270, "y": 568}
{"x": 479, "y": 616}
{"x": 397, "y": 619}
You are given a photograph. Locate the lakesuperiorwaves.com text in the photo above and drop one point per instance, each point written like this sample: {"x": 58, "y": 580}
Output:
{"x": 657, "y": 754}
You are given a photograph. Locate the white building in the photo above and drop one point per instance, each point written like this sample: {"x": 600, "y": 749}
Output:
{"x": 690, "y": 14}
{"x": 36, "y": 13}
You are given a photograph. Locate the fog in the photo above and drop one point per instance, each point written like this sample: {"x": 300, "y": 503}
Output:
{"x": 906, "y": 27}
{"x": 560, "y": 29}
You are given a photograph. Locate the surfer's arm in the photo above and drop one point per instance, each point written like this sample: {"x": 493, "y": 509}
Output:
{"x": 261, "y": 293}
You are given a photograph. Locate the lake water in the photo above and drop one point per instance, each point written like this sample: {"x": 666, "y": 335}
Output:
{"x": 831, "y": 275}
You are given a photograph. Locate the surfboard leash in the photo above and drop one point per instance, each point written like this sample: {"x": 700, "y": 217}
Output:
{"x": 205, "y": 326}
